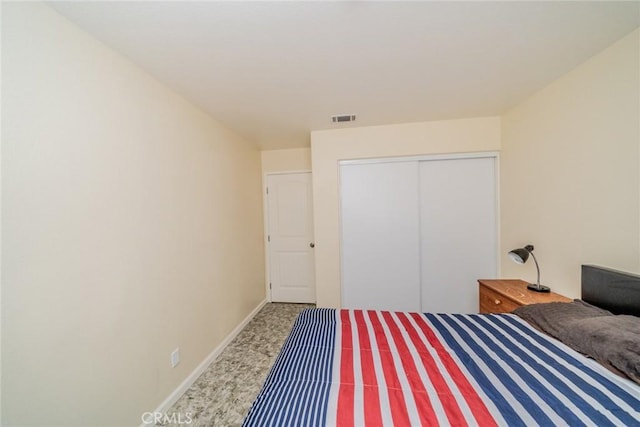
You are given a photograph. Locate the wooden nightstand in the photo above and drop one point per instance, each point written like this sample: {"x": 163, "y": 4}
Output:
{"x": 504, "y": 296}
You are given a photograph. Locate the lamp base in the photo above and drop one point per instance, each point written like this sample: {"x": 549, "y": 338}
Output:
{"x": 536, "y": 288}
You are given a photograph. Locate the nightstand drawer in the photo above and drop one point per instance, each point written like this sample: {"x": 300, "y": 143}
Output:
{"x": 493, "y": 302}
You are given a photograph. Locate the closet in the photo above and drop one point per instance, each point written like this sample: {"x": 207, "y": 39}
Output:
{"x": 417, "y": 233}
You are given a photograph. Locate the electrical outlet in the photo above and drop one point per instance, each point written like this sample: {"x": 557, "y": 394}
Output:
{"x": 175, "y": 357}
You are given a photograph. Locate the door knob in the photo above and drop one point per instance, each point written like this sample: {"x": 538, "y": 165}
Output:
{"x": 312, "y": 245}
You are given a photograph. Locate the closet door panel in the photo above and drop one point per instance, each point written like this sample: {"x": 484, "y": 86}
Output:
{"x": 380, "y": 236}
{"x": 458, "y": 232}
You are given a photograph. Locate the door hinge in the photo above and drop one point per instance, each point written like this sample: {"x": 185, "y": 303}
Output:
{"x": 269, "y": 285}
{"x": 267, "y": 190}
{"x": 268, "y": 238}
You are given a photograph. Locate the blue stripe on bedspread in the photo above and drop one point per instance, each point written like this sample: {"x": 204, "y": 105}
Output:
{"x": 296, "y": 390}
{"x": 544, "y": 364}
{"x": 526, "y": 378}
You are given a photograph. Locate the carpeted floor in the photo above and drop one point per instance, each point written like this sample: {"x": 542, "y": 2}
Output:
{"x": 223, "y": 394}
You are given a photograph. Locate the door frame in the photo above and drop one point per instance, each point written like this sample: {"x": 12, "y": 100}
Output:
{"x": 265, "y": 210}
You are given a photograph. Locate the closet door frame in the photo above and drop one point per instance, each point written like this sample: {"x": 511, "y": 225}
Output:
{"x": 431, "y": 157}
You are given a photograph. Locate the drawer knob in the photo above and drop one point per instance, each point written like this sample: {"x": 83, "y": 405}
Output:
{"x": 497, "y": 302}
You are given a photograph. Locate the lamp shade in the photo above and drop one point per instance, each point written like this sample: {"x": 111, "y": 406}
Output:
{"x": 520, "y": 255}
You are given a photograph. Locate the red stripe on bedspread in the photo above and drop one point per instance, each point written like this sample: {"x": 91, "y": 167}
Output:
{"x": 397, "y": 401}
{"x": 477, "y": 406}
{"x": 346, "y": 392}
{"x": 380, "y": 343}
{"x": 423, "y": 403}
{"x": 447, "y": 399}
{"x": 372, "y": 414}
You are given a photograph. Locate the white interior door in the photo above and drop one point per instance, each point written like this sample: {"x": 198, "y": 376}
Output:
{"x": 290, "y": 238}
{"x": 458, "y": 232}
{"x": 380, "y": 238}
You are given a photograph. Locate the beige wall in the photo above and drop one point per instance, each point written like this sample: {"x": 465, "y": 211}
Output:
{"x": 291, "y": 160}
{"x": 331, "y": 146}
{"x": 570, "y": 171}
{"x": 1, "y": 316}
{"x": 132, "y": 225}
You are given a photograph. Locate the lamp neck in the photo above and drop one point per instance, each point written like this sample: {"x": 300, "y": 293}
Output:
{"x": 537, "y": 268}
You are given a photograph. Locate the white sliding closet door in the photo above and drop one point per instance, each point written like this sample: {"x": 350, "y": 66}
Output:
{"x": 380, "y": 238}
{"x": 458, "y": 232}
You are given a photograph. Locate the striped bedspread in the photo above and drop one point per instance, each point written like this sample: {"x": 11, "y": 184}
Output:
{"x": 357, "y": 368}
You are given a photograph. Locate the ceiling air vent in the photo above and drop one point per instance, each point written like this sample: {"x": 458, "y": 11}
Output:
{"x": 343, "y": 118}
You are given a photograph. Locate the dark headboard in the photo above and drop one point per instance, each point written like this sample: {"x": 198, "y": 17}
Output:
{"x": 612, "y": 290}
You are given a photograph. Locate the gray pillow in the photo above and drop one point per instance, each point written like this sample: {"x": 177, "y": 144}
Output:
{"x": 613, "y": 340}
{"x": 553, "y": 317}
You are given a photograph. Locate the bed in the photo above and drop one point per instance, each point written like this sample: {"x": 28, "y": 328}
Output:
{"x": 363, "y": 367}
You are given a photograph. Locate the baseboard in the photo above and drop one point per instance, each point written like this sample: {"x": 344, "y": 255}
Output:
{"x": 193, "y": 376}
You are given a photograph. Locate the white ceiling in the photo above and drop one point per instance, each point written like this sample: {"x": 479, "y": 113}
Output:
{"x": 274, "y": 71}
